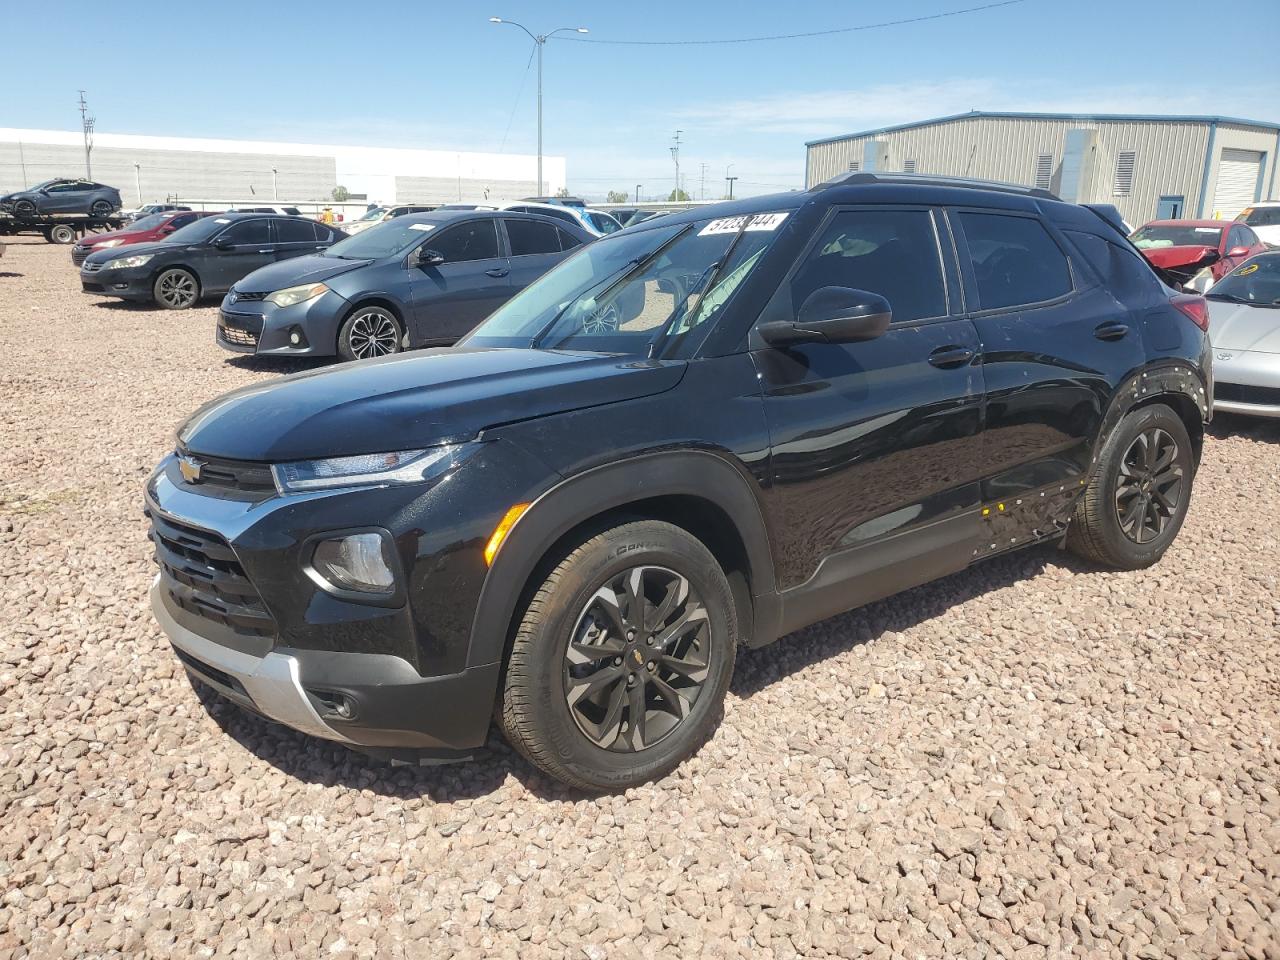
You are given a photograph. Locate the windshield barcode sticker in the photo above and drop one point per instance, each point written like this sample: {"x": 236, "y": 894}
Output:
{"x": 757, "y": 221}
{"x": 422, "y": 226}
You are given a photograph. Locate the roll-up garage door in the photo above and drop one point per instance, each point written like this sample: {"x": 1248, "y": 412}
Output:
{"x": 1238, "y": 172}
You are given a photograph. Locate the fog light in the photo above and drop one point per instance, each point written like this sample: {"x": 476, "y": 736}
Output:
{"x": 295, "y": 338}
{"x": 358, "y": 561}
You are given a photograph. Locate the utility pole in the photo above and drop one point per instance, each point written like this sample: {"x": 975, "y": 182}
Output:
{"x": 22, "y": 161}
{"x": 274, "y": 193}
{"x": 703, "y": 189}
{"x": 729, "y": 180}
{"x": 675, "y": 155}
{"x": 539, "y": 41}
{"x": 638, "y": 186}
{"x": 87, "y": 121}
{"x": 137, "y": 180}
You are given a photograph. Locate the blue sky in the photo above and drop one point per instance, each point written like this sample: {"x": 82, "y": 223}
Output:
{"x": 436, "y": 74}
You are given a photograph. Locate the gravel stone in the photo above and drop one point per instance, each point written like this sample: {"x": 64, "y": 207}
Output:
{"x": 1033, "y": 758}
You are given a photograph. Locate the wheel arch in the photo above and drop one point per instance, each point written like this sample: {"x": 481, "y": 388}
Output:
{"x": 1178, "y": 385}
{"x": 371, "y": 300}
{"x": 697, "y": 491}
{"x": 183, "y": 265}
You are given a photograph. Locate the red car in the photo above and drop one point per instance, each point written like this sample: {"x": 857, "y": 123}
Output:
{"x": 149, "y": 229}
{"x": 1233, "y": 242}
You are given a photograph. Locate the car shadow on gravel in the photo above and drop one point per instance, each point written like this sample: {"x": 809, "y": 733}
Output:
{"x": 279, "y": 364}
{"x": 757, "y": 669}
{"x": 128, "y": 305}
{"x": 1224, "y": 426}
{"x": 5, "y": 274}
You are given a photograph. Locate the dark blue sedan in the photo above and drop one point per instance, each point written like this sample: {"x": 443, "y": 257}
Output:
{"x": 416, "y": 281}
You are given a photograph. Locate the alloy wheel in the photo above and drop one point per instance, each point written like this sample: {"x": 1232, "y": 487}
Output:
{"x": 638, "y": 659}
{"x": 373, "y": 334}
{"x": 177, "y": 289}
{"x": 1149, "y": 488}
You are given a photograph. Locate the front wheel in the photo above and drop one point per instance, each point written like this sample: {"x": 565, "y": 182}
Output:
{"x": 176, "y": 289}
{"x": 25, "y": 209}
{"x": 369, "y": 332}
{"x": 1137, "y": 499}
{"x": 619, "y": 667}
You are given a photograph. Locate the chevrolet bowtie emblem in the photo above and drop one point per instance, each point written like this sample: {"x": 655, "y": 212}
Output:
{"x": 190, "y": 469}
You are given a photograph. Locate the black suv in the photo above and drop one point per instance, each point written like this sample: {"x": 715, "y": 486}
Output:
{"x": 702, "y": 432}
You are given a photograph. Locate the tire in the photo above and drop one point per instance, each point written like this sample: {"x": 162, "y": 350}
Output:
{"x": 593, "y": 743}
{"x": 100, "y": 209}
{"x": 24, "y": 209}
{"x": 370, "y": 331}
{"x": 176, "y": 289}
{"x": 62, "y": 234}
{"x": 1134, "y": 507}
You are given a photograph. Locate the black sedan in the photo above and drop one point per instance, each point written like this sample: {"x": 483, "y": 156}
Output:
{"x": 63, "y": 196}
{"x": 420, "y": 280}
{"x": 201, "y": 259}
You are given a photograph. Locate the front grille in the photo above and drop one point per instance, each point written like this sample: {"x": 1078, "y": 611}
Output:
{"x": 243, "y": 475}
{"x": 238, "y": 296}
{"x": 92, "y": 267}
{"x": 241, "y": 338}
{"x": 201, "y": 574}
{"x": 1242, "y": 393}
{"x": 78, "y": 255}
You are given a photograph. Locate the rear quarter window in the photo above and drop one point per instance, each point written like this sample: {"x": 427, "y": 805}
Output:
{"x": 1121, "y": 270}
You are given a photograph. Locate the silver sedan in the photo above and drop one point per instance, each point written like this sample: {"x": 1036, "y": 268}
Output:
{"x": 1244, "y": 326}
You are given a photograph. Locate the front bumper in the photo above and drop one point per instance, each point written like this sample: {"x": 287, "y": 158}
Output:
{"x": 130, "y": 284}
{"x": 256, "y": 326}
{"x": 1247, "y": 382}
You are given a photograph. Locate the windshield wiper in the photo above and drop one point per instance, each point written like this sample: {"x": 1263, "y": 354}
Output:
{"x": 1229, "y": 296}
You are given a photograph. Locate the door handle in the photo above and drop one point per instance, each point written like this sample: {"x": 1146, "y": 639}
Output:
{"x": 950, "y": 356}
{"x": 1111, "y": 330}
{"x": 268, "y": 250}
{"x": 497, "y": 272}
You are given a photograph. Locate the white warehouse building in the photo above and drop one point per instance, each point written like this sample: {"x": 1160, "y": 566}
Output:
{"x": 148, "y": 169}
{"x": 1147, "y": 166}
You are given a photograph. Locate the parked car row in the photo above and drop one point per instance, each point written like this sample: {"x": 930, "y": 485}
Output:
{"x": 699, "y": 433}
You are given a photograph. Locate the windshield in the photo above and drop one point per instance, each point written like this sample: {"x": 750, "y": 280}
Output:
{"x": 602, "y": 222}
{"x": 373, "y": 214}
{"x": 1261, "y": 216}
{"x": 149, "y": 222}
{"x": 1156, "y": 235}
{"x": 388, "y": 239}
{"x": 1255, "y": 281}
{"x": 629, "y": 293}
{"x": 200, "y": 231}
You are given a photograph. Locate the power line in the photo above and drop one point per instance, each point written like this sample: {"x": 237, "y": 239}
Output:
{"x": 798, "y": 36}
{"x": 519, "y": 93}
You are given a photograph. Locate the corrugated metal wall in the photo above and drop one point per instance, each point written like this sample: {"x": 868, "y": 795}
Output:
{"x": 453, "y": 189}
{"x": 171, "y": 172}
{"x": 1169, "y": 155}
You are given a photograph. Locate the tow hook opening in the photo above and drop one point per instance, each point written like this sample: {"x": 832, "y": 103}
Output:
{"x": 332, "y": 705}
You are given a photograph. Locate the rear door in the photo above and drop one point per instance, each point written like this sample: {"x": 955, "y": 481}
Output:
{"x": 1056, "y": 345}
{"x": 296, "y": 237}
{"x": 449, "y": 298}
{"x": 534, "y": 248}
{"x": 69, "y": 196}
{"x": 237, "y": 251}
{"x": 877, "y": 454}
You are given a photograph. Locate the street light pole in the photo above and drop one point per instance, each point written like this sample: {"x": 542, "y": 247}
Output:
{"x": 275, "y": 195}
{"x": 137, "y": 180}
{"x": 540, "y": 41}
{"x": 675, "y": 155}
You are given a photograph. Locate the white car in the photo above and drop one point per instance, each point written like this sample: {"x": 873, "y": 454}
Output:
{"x": 1264, "y": 219}
{"x": 378, "y": 215}
{"x": 596, "y": 222}
{"x": 1244, "y": 327}
{"x": 279, "y": 211}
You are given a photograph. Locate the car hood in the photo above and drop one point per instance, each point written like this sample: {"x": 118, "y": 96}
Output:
{"x": 291, "y": 273}
{"x": 1239, "y": 326}
{"x": 16, "y": 195}
{"x": 408, "y": 401}
{"x": 128, "y": 236}
{"x": 135, "y": 249}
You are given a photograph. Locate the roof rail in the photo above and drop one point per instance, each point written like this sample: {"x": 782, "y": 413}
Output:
{"x": 926, "y": 180}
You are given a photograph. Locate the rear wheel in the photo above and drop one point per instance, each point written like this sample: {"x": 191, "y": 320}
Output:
{"x": 176, "y": 289}
{"x": 100, "y": 208}
{"x": 1137, "y": 500}
{"x": 369, "y": 332}
{"x": 61, "y": 234}
{"x": 622, "y": 658}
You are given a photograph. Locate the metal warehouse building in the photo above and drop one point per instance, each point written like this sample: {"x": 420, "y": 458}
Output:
{"x": 147, "y": 169}
{"x": 1148, "y": 166}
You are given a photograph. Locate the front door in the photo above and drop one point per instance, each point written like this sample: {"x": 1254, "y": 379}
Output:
{"x": 876, "y": 446}
{"x": 237, "y": 251}
{"x": 448, "y": 299}
{"x": 1056, "y": 344}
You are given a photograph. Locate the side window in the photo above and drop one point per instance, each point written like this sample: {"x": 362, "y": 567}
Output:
{"x": 295, "y": 231}
{"x": 567, "y": 240}
{"x": 246, "y": 232}
{"x": 477, "y": 240}
{"x": 1015, "y": 260}
{"x": 1126, "y": 274}
{"x": 890, "y": 252}
{"x": 529, "y": 237}
{"x": 182, "y": 219}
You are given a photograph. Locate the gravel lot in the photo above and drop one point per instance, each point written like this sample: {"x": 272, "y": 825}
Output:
{"x": 1030, "y": 759}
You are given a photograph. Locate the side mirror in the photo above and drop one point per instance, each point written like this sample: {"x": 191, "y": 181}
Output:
{"x": 223, "y": 243}
{"x": 429, "y": 258}
{"x": 1238, "y": 252}
{"x": 832, "y": 315}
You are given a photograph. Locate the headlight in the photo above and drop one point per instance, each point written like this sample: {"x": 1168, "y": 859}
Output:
{"x": 108, "y": 243}
{"x": 291, "y": 295}
{"x": 125, "y": 263}
{"x": 370, "y": 469}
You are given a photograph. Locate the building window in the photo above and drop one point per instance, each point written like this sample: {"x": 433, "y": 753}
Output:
{"x": 854, "y": 166}
{"x": 1044, "y": 171}
{"x": 908, "y": 166}
{"x": 1124, "y": 173}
